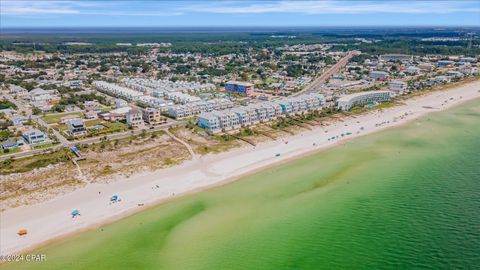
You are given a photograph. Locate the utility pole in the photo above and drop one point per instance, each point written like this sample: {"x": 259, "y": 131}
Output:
{"x": 470, "y": 40}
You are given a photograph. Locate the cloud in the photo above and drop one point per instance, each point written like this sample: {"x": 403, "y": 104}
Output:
{"x": 106, "y": 8}
{"x": 334, "y": 7}
{"x": 177, "y": 8}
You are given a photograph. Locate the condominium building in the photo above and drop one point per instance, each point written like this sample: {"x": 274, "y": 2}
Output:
{"x": 209, "y": 121}
{"x": 398, "y": 87}
{"x": 412, "y": 70}
{"x": 260, "y": 112}
{"x": 153, "y": 116}
{"x": 134, "y": 118}
{"x": 116, "y": 90}
{"x": 347, "y": 102}
{"x": 195, "y": 108}
{"x": 378, "y": 75}
{"x": 244, "y": 88}
{"x": 120, "y": 103}
{"x": 397, "y": 57}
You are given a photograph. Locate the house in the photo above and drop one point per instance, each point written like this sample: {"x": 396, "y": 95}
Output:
{"x": 378, "y": 75}
{"x": 91, "y": 106}
{"x": 412, "y": 70}
{"x": 445, "y": 63}
{"x": 426, "y": 67}
{"x": 11, "y": 143}
{"x": 120, "y": 103}
{"x": 19, "y": 120}
{"x": 34, "y": 136}
{"x": 38, "y": 95}
{"x": 76, "y": 127}
{"x": 134, "y": 118}
{"x": 75, "y": 83}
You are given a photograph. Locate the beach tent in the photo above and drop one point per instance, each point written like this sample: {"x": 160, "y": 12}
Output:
{"x": 22, "y": 232}
{"x": 75, "y": 213}
{"x": 114, "y": 198}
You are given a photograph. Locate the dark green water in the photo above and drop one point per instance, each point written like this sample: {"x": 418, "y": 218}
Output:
{"x": 406, "y": 198}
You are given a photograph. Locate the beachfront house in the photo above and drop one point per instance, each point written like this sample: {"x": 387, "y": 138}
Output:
{"x": 76, "y": 127}
{"x": 134, "y": 118}
{"x": 34, "y": 136}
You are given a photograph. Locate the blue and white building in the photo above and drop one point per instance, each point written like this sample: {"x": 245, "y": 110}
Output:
{"x": 34, "y": 136}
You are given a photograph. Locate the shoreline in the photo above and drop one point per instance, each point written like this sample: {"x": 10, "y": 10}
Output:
{"x": 194, "y": 176}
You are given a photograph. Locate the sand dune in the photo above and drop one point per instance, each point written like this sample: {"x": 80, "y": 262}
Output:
{"x": 50, "y": 220}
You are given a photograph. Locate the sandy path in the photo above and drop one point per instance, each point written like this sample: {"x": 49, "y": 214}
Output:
{"x": 51, "y": 219}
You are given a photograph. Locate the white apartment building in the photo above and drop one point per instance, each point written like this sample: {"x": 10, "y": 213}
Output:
{"x": 116, "y": 90}
{"x": 398, "y": 87}
{"x": 260, "y": 112}
{"x": 347, "y": 102}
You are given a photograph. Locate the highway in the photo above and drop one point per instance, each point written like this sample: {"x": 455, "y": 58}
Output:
{"x": 316, "y": 85}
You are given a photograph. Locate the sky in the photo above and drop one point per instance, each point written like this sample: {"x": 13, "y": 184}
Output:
{"x": 86, "y": 13}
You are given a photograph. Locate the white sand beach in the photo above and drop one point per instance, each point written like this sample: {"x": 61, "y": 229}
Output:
{"x": 51, "y": 220}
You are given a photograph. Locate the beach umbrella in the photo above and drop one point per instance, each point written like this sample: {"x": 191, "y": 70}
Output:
{"x": 22, "y": 232}
{"x": 114, "y": 198}
{"x": 75, "y": 213}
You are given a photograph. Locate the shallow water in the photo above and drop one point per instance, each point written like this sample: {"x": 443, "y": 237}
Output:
{"x": 404, "y": 198}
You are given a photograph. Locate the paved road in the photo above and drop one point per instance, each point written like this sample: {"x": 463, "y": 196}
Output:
{"x": 38, "y": 120}
{"x": 316, "y": 85}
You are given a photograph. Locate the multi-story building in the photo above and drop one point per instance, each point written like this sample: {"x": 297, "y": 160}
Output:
{"x": 34, "y": 136}
{"x": 445, "y": 63}
{"x": 116, "y": 90}
{"x": 347, "y": 102}
{"x": 195, "y": 108}
{"x": 260, "y": 112}
{"x": 209, "y": 121}
{"x": 76, "y": 127}
{"x": 398, "y": 87}
{"x": 396, "y": 57}
{"x": 378, "y": 75}
{"x": 134, "y": 118}
{"x": 153, "y": 116}
{"x": 412, "y": 70}
{"x": 243, "y": 117}
{"x": 244, "y": 88}
{"x": 120, "y": 103}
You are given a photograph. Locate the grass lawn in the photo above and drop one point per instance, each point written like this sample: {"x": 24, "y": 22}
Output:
{"x": 43, "y": 145}
{"x": 9, "y": 151}
{"x": 29, "y": 163}
{"x": 92, "y": 123}
{"x": 51, "y": 118}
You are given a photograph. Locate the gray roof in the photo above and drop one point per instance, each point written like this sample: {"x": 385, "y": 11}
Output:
{"x": 76, "y": 122}
{"x": 34, "y": 131}
{"x": 38, "y": 91}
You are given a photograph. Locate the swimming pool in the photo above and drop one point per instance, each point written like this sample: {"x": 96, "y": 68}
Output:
{"x": 97, "y": 127}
